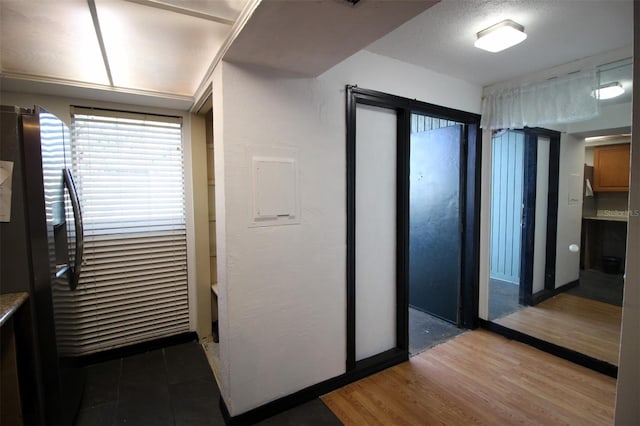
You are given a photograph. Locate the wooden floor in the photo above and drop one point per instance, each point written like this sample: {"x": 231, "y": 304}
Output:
{"x": 586, "y": 326}
{"x": 478, "y": 378}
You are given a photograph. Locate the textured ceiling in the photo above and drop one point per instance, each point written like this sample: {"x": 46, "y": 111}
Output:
{"x": 559, "y": 31}
{"x": 309, "y": 37}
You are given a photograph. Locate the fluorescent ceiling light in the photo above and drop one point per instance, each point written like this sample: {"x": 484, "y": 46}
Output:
{"x": 608, "y": 91}
{"x": 500, "y": 36}
{"x": 624, "y": 137}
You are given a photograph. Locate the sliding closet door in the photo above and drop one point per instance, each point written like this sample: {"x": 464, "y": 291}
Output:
{"x": 375, "y": 231}
{"x": 379, "y": 151}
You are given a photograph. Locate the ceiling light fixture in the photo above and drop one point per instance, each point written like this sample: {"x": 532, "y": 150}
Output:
{"x": 621, "y": 138}
{"x": 608, "y": 91}
{"x": 500, "y": 36}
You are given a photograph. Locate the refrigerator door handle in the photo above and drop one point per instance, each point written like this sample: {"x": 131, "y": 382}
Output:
{"x": 74, "y": 276}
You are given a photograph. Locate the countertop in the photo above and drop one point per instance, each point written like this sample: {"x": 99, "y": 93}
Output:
{"x": 609, "y": 218}
{"x": 9, "y": 304}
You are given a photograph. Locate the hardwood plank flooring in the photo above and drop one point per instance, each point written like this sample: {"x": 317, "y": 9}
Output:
{"x": 583, "y": 325}
{"x": 478, "y": 378}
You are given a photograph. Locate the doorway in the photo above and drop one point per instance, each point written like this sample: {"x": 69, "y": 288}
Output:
{"x": 380, "y": 141}
{"x": 507, "y": 209}
{"x": 524, "y": 217}
{"x": 434, "y": 221}
{"x": 435, "y": 231}
{"x": 604, "y": 219}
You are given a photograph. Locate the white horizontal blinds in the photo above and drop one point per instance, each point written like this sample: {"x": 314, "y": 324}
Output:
{"x": 133, "y": 287}
{"x": 130, "y": 170}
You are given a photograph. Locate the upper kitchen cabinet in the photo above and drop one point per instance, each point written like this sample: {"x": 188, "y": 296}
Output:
{"x": 611, "y": 168}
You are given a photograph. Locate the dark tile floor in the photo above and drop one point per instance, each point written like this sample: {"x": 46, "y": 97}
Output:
{"x": 503, "y": 298}
{"x": 170, "y": 386}
{"x": 600, "y": 286}
{"x": 313, "y": 413}
{"x": 426, "y": 331}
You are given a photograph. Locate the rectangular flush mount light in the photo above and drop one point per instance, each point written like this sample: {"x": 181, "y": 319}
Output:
{"x": 500, "y": 36}
{"x": 608, "y": 91}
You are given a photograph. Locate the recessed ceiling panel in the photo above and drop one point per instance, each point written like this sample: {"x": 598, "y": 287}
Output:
{"x": 154, "y": 49}
{"x": 54, "y": 39}
{"x": 227, "y": 9}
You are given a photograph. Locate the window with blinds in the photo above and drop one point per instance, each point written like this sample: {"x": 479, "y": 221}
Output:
{"x": 128, "y": 169}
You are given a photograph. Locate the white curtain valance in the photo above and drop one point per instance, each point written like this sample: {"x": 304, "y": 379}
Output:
{"x": 560, "y": 100}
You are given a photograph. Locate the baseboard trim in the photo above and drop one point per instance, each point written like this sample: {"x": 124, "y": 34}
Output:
{"x": 559, "y": 351}
{"x": 363, "y": 369}
{"x": 545, "y": 294}
{"x": 134, "y": 349}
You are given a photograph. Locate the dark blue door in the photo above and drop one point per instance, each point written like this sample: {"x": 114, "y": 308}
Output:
{"x": 434, "y": 222}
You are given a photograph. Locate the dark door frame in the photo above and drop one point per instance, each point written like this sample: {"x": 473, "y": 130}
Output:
{"x": 531, "y": 135}
{"x": 469, "y": 207}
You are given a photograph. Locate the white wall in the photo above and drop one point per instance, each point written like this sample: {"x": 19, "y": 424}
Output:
{"x": 282, "y": 313}
{"x": 588, "y": 156}
{"x": 485, "y": 226}
{"x": 569, "y": 213}
{"x": 281, "y": 308}
{"x": 627, "y": 408}
{"x": 615, "y": 118}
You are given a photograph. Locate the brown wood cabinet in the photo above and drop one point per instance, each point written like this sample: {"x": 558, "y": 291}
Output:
{"x": 611, "y": 168}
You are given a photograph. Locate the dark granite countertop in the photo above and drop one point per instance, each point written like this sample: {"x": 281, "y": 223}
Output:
{"x": 9, "y": 304}
{"x": 609, "y": 218}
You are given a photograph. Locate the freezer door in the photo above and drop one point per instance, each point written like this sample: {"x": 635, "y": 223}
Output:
{"x": 64, "y": 215}
{"x": 63, "y": 383}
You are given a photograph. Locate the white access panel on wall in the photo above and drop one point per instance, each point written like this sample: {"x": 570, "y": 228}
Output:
{"x": 274, "y": 195}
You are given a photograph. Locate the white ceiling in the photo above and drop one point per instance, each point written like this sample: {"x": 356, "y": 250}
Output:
{"x": 309, "y": 37}
{"x": 297, "y": 39}
{"x": 559, "y": 31}
{"x": 165, "y": 48}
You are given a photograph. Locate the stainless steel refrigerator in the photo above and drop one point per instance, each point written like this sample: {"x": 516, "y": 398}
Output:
{"x": 41, "y": 243}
